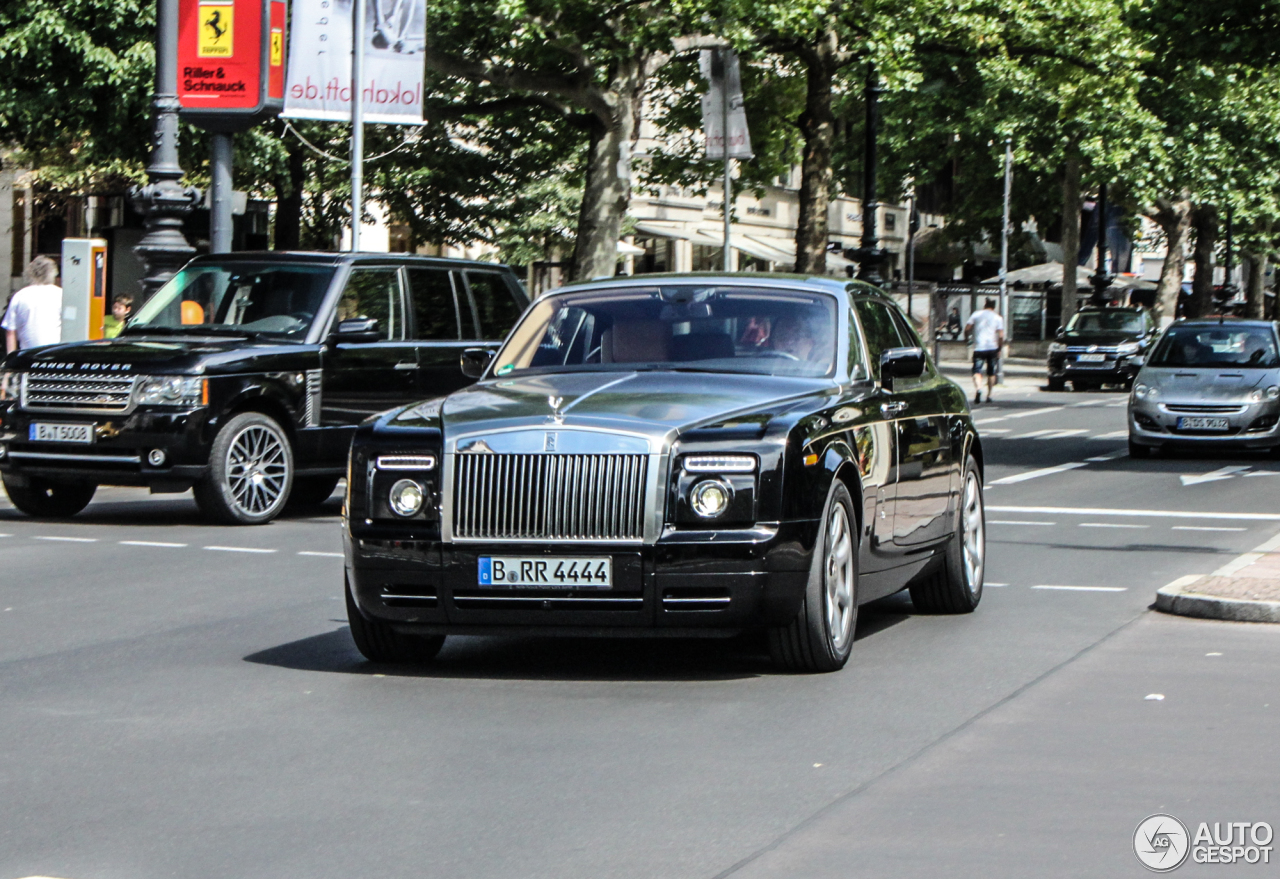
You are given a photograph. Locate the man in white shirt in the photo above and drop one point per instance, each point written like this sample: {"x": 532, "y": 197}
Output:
{"x": 987, "y": 329}
{"x": 34, "y": 316}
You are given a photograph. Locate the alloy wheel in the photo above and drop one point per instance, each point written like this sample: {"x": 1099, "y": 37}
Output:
{"x": 256, "y": 469}
{"x": 839, "y": 571}
{"x": 974, "y": 533}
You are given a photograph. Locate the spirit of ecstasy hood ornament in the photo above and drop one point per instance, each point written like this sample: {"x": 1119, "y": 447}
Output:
{"x": 556, "y": 414}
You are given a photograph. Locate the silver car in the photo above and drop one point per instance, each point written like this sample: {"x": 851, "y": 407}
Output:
{"x": 1208, "y": 383}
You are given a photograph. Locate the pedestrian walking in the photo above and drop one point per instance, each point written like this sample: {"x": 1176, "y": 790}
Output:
{"x": 34, "y": 315}
{"x": 987, "y": 329}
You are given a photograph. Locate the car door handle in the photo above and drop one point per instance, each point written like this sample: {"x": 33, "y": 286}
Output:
{"x": 893, "y": 408}
{"x": 407, "y": 365}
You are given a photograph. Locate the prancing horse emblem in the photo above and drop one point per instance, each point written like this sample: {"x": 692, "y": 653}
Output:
{"x": 556, "y": 414}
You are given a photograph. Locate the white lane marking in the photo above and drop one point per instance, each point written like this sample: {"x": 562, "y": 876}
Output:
{"x": 1154, "y": 697}
{"x": 1086, "y": 403}
{"x": 237, "y": 549}
{"x": 1031, "y": 412}
{"x": 1148, "y": 514}
{"x": 1204, "y": 528}
{"x": 1118, "y": 405}
{"x": 1115, "y": 434}
{"x": 1033, "y": 434}
{"x": 159, "y": 543}
{"x": 1262, "y": 473}
{"x": 1085, "y": 588}
{"x": 1215, "y": 653}
{"x": 1036, "y": 474}
{"x": 1109, "y": 525}
{"x": 995, "y": 585}
{"x": 997, "y": 430}
{"x": 1017, "y": 522}
{"x": 1100, "y": 459}
{"x": 1061, "y": 434}
{"x": 327, "y": 555}
{"x": 6, "y": 535}
{"x": 977, "y": 421}
{"x": 1214, "y": 475}
{"x": 68, "y": 539}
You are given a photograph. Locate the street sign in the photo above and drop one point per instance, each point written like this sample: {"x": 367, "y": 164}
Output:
{"x": 231, "y": 62}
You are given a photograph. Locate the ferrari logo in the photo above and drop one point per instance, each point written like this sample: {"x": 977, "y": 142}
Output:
{"x": 217, "y": 25}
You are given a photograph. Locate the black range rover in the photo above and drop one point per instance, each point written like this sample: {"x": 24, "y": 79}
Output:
{"x": 1098, "y": 347}
{"x": 245, "y": 377}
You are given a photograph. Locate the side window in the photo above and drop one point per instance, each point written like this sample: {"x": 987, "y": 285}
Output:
{"x": 374, "y": 293}
{"x": 878, "y": 326}
{"x": 496, "y": 307}
{"x": 858, "y": 368}
{"x": 435, "y": 315}
{"x": 906, "y": 332}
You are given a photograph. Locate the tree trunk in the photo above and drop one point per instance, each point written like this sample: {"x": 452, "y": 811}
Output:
{"x": 1070, "y": 236}
{"x": 608, "y": 185}
{"x": 1206, "y": 223}
{"x": 1254, "y": 298}
{"x": 1174, "y": 217}
{"x": 289, "y": 189}
{"x": 817, "y": 127}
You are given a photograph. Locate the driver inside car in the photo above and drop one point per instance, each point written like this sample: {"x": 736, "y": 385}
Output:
{"x": 797, "y": 336}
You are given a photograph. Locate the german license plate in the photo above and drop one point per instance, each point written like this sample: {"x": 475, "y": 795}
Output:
{"x": 42, "y": 432}
{"x": 1199, "y": 422}
{"x": 1092, "y": 358}
{"x": 545, "y": 572}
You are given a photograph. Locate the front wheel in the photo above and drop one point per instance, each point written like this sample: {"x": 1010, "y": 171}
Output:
{"x": 45, "y": 499}
{"x": 1057, "y": 384}
{"x": 250, "y": 472}
{"x": 378, "y": 642}
{"x": 820, "y": 638}
{"x": 957, "y": 586}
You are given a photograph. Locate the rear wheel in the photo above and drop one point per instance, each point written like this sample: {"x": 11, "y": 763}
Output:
{"x": 49, "y": 500}
{"x": 1137, "y": 450}
{"x": 820, "y": 638}
{"x": 957, "y": 586}
{"x": 378, "y": 642}
{"x": 250, "y": 472}
{"x": 311, "y": 491}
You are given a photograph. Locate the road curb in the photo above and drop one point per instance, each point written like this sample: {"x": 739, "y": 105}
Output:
{"x": 1180, "y": 598}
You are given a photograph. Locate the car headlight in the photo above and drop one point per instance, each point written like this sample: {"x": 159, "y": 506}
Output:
{"x": 710, "y": 498}
{"x": 10, "y": 384}
{"x": 1258, "y": 394}
{"x": 1272, "y": 393}
{"x": 1128, "y": 348}
{"x": 406, "y": 498}
{"x": 720, "y": 464}
{"x": 1145, "y": 392}
{"x": 171, "y": 390}
{"x": 1057, "y": 348}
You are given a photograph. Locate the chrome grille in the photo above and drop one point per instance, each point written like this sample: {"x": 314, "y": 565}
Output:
{"x": 1092, "y": 349}
{"x": 1203, "y": 410}
{"x": 549, "y": 497}
{"x": 81, "y": 393}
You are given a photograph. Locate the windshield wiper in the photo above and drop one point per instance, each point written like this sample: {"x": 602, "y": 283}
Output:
{"x": 190, "y": 330}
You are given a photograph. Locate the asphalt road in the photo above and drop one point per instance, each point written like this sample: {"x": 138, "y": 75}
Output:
{"x": 182, "y": 700}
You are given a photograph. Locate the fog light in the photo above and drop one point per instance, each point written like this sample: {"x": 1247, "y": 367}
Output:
{"x": 156, "y": 457}
{"x": 710, "y": 498}
{"x": 406, "y": 498}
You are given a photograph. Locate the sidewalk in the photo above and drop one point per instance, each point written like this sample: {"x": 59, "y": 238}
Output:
{"x": 1019, "y": 372}
{"x": 1246, "y": 589}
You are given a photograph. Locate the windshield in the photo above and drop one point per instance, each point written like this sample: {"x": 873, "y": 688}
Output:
{"x": 712, "y": 329}
{"x": 1249, "y": 347}
{"x": 1106, "y": 322}
{"x": 252, "y": 298}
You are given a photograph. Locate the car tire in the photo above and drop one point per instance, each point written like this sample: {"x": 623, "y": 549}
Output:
{"x": 46, "y": 499}
{"x": 250, "y": 472}
{"x": 820, "y": 638}
{"x": 956, "y": 587}
{"x": 311, "y": 491}
{"x": 378, "y": 642}
{"x": 1137, "y": 450}
{"x": 1057, "y": 384}
{"x": 1084, "y": 386}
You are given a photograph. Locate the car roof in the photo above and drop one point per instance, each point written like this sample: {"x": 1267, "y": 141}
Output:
{"x": 1134, "y": 308}
{"x": 1226, "y": 320}
{"x": 317, "y": 257}
{"x": 782, "y": 280}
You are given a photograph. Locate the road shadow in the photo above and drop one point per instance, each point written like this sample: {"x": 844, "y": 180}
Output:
{"x": 568, "y": 659}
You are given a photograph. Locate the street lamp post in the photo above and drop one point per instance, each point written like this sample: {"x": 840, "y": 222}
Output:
{"x": 1101, "y": 281}
{"x": 164, "y": 202}
{"x": 1229, "y": 289}
{"x": 869, "y": 256}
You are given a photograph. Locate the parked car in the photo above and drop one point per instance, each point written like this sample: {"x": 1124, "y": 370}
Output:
{"x": 245, "y": 377}
{"x": 689, "y": 455}
{"x": 1208, "y": 384}
{"x": 1098, "y": 347}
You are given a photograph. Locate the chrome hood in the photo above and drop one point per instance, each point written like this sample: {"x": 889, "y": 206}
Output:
{"x": 1216, "y": 385}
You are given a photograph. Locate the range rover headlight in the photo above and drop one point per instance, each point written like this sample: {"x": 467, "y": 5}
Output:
{"x": 710, "y": 498}
{"x": 1128, "y": 348}
{"x": 10, "y": 383}
{"x": 406, "y": 498}
{"x": 170, "y": 390}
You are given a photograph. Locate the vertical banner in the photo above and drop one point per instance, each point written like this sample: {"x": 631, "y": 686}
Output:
{"x": 720, "y": 68}
{"x": 319, "y": 79}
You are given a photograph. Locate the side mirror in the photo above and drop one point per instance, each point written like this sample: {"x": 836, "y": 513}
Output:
{"x": 475, "y": 361}
{"x": 1062, "y": 334}
{"x": 356, "y": 330}
{"x": 901, "y": 363}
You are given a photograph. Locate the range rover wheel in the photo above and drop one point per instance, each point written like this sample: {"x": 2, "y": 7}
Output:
{"x": 957, "y": 586}
{"x": 311, "y": 491}
{"x": 1057, "y": 384}
{"x": 49, "y": 500}
{"x": 378, "y": 642}
{"x": 820, "y": 638}
{"x": 250, "y": 472}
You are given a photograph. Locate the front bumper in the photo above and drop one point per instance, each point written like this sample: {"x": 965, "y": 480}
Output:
{"x": 1116, "y": 369}
{"x": 705, "y": 583}
{"x": 1256, "y": 426}
{"x": 118, "y": 453}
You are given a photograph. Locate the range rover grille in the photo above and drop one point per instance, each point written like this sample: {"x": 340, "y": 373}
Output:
{"x": 81, "y": 393}
{"x": 516, "y": 497}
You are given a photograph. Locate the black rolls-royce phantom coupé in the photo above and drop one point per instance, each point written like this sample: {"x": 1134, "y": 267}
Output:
{"x": 695, "y": 455}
